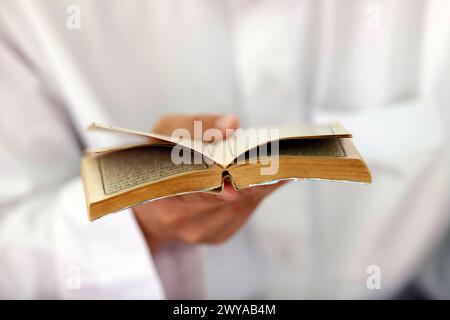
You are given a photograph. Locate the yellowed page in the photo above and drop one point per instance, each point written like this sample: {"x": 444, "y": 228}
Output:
{"x": 198, "y": 146}
{"x": 94, "y": 151}
{"x": 224, "y": 152}
{"x": 132, "y": 167}
{"x": 245, "y": 140}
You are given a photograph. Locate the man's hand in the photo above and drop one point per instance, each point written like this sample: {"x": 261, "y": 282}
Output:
{"x": 198, "y": 217}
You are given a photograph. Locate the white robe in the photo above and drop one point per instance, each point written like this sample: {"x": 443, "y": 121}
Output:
{"x": 381, "y": 68}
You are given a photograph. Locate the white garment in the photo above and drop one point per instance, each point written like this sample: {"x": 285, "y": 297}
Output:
{"x": 270, "y": 62}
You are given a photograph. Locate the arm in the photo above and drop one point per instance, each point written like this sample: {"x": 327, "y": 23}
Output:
{"x": 47, "y": 247}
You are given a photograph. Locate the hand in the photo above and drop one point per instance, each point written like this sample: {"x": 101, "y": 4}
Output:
{"x": 198, "y": 217}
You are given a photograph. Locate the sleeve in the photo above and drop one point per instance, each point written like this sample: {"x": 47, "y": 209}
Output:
{"x": 48, "y": 249}
{"x": 405, "y": 207}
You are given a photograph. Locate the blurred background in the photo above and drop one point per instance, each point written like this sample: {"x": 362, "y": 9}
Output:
{"x": 380, "y": 67}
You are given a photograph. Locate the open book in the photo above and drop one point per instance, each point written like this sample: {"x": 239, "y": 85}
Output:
{"x": 125, "y": 176}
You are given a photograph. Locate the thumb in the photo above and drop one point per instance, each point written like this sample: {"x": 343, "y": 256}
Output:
{"x": 217, "y": 126}
{"x": 226, "y": 122}
{"x": 170, "y": 122}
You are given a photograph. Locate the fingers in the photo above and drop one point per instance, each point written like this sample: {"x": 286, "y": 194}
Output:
{"x": 226, "y": 222}
{"x": 225, "y": 123}
{"x": 170, "y": 122}
{"x": 229, "y": 193}
{"x": 221, "y": 122}
{"x": 228, "y": 219}
{"x": 201, "y": 218}
{"x": 228, "y": 197}
{"x": 214, "y": 225}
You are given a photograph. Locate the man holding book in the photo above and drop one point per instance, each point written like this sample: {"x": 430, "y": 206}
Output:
{"x": 379, "y": 67}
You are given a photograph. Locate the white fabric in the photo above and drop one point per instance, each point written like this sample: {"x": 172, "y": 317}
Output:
{"x": 270, "y": 62}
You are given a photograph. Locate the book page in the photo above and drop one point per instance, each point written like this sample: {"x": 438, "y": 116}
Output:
{"x": 129, "y": 168}
{"x": 129, "y": 146}
{"x": 195, "y": 145}
{"x": 225, "y": 151}
{"x": 312, "y": 148}
{"x": 246, "y": 140}
{"x": 327, "y": 147}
